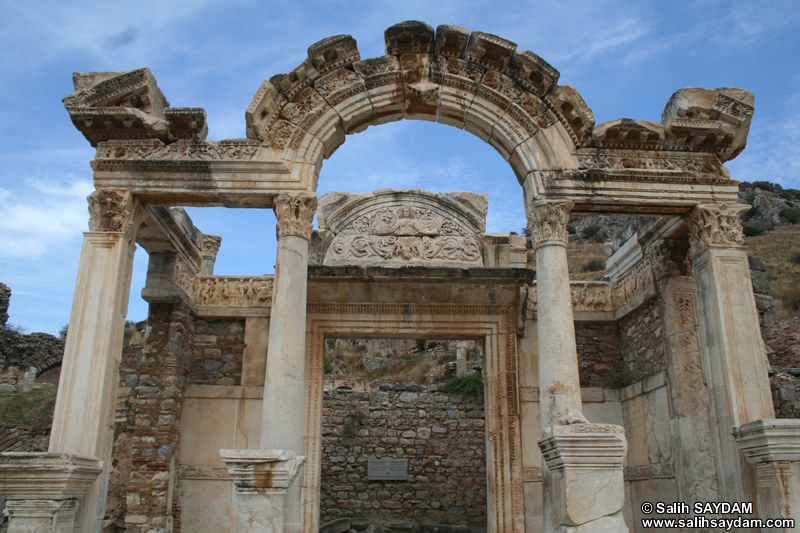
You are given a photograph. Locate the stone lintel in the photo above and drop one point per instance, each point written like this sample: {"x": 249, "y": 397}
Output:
{"x": 262, "y": 471}
{"x": 524, "y": 275}
{"x": 769, "y": 440}
{"x": 46, "y": 476}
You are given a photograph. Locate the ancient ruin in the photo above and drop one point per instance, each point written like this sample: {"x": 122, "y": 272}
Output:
{"x": 599, "y": 396}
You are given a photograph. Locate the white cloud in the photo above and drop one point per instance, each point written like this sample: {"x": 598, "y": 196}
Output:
{"x": 42, "y": 216}
{"x": 771, "y": 153}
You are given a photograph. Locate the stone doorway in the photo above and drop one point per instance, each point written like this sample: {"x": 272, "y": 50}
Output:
{"x": 403, "y": 434}
{"x": 492, "y": 326}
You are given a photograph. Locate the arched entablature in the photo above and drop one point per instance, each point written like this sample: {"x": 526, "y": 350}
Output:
{"x": 470, "y": 80}
{"x": 473, "y": 81}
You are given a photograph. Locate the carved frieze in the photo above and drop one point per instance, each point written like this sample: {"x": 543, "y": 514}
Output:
{"x": 404, "y": 234}
{"x": 609, "y": 160}
{"x": 111, "y": 211}
{"x": 397, "y": 228}
{"x": 591, "y": 296}
{"x": 295, "y": 214}
{"x": 184, "y": 276}
{"x": 547, "y": 221}
{"x": 716, "y": 225}
{"x": 185, "y": 149}
{"x": 233, "y": 291}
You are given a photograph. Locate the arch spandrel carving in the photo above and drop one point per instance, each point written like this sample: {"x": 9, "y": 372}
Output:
{"x": 470, "y": 80}
{"x": 402, "y": 228}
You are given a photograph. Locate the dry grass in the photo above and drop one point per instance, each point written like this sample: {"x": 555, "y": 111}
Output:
{"x": 776, "y": 249}
{"x": 580, "y": 255}
{"x": 32, "y": 409}
{"x": 410, "y": 367}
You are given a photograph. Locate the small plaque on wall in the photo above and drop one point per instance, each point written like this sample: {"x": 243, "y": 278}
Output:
{"x": 393, "y": 469}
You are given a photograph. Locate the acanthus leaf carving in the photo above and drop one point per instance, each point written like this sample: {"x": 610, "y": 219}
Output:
{"x": 716, "y": 225}
{"x": 211, "y": 244}
{"x": 295, "y": 213}
{"x": 404, "y": 234}
{"x": 547, "y": 221}
{"x": 111, "y": 211}
{"x": 184, "y": 149}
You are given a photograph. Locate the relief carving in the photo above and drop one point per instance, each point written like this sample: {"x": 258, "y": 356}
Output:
{"x": 644, "y": 160}
{"x": 111, "y": 211}
{"x": 716, "y": 225}
{"x": 184, "y": 149}
{"x": 233, "y": 291}
{"x": 295, "y": 214}
{"x": 404, "y": 233}
{"x": 586, "y": 296}
{"x": 548, "y": 222}
{"x": 183, "y": 276}
{"x": 635, "y": 281}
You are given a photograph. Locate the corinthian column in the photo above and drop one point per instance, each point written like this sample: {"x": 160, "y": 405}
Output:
{"x": 559, "y": 382}
{"x": 582, "y": 472}
{"x": 83, "y": 422}
{"x": 733, "y": 349}
{"x": 283, "y": 416}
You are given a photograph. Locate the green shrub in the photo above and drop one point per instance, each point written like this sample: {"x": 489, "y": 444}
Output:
{"x": 469, "y": 385}
{"x": 591, "y": 231}
{"x": 421, "y": 345}
{"x": 572, "y": 229}
{"x": 594, "y": 265}
{"x": 751, "y": 231}
{"x": 790, "y": 215}
{"x": 795, "y": 259}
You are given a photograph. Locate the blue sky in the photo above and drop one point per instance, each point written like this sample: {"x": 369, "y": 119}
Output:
{"x": 625, "y": 58}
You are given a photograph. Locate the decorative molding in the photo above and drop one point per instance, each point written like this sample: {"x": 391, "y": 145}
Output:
{"x": 184, "y": 275}
{"x": 716, "y": 225}
{"x": 623, "y": 159}
{"x": 405, "y": 234}
{"x": 111, "y": 211}
{"x": 651, "y": 471}
{"x": 181, "y": 150}
{"x": 295, "y": 213}
{"x": 233, "y": 291}
{"x": 548, "y": 220}
{"x": 204, "y": 472}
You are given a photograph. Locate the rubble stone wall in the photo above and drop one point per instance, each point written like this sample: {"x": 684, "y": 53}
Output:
{"x": 440, "y": 434}
{"x": 643, "y": 343}
{"x": 764, "y": 302}
{"x": 218, "y": 348}
{"x": 599, "y": 354}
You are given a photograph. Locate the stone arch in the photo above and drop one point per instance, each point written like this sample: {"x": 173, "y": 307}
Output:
{"x": 471, "y": 80}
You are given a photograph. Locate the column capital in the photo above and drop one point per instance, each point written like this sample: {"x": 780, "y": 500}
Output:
{"x": 295, "y": 213}
{"x": 547, "y": 221}
{"x": 112, "y": 211}
{"x": 211, "y": 244}
{"x": 716, "y": 225}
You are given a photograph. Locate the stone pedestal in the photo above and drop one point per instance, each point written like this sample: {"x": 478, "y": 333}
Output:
{"x": 773, "y": 445}
{"x": 262, "y": 479}
{"x": 586, "y": 480}
{"x": 83, "y": 420}
{"x": 42, "y": 489}
{"x": 283, "y": 415}
{"x": 733, "y": 349}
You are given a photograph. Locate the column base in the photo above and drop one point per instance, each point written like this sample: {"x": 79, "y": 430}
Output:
{"x": 773, "y": 445}
{"x": 262, "y": 479}
{"x": 584, "y": 477}
{"x": 42, "y": 489}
